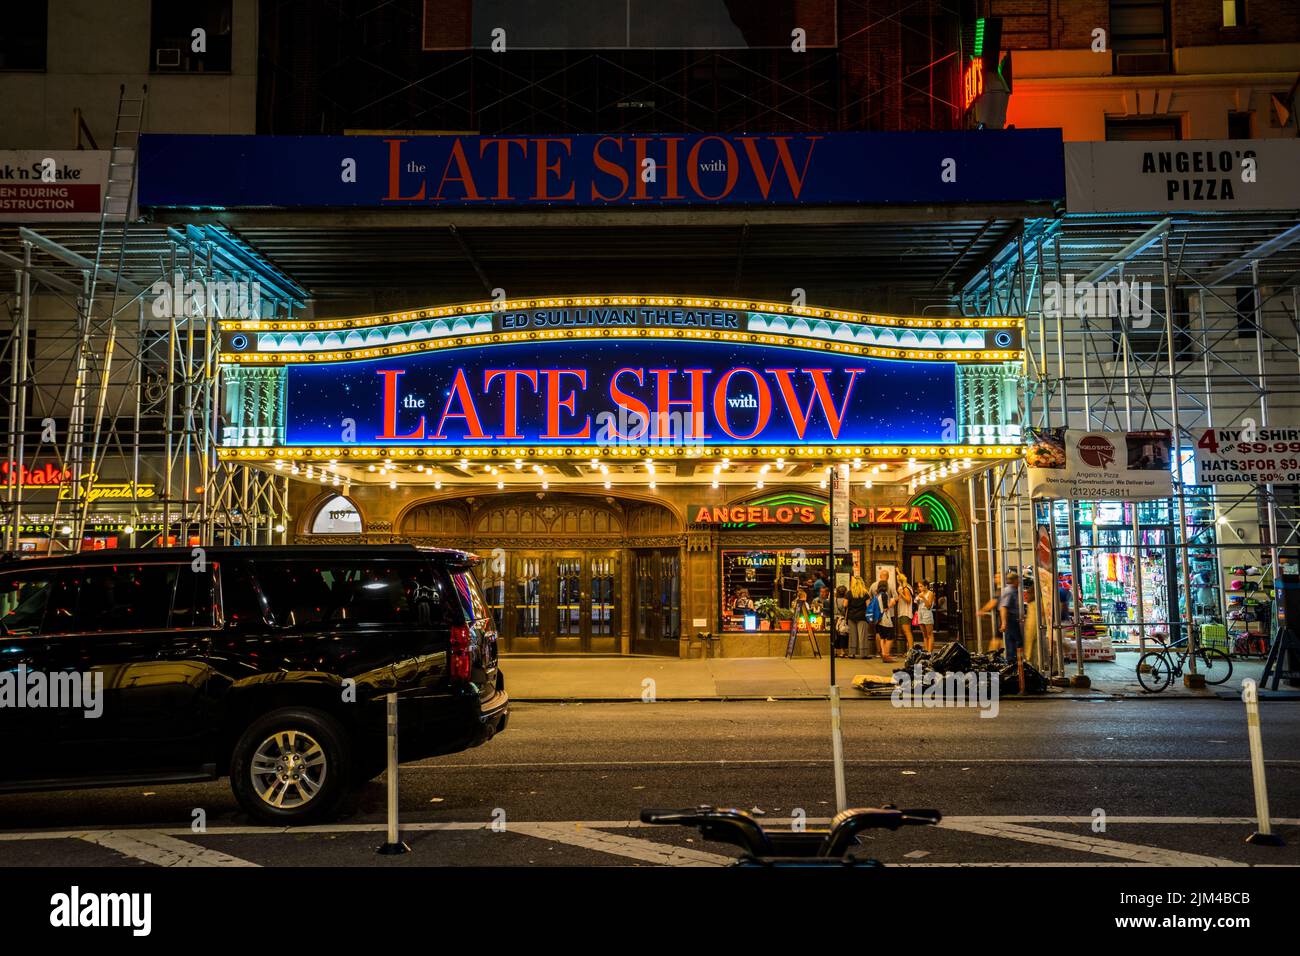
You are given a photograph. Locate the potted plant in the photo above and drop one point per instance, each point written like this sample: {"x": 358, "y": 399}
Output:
{"x": 766, "y": 609}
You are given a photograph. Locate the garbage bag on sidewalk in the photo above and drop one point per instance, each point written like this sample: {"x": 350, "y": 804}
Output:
{"x": 951, "y": 657}
{"x": 1009, "y": 679}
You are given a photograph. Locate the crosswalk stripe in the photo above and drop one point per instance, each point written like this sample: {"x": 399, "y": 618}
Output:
{"x": 1147, "y": 855}
{"x": 647, "y": 851}
{"x": 160, "y": 849}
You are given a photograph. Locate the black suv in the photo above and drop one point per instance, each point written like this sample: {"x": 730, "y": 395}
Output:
{"x": 269, "y": 664}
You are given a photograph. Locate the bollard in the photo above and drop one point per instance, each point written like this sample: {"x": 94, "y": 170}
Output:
{"x": 393, "y": 846}
{"x": 837, "y": 751}
{"x": 1264, "y": 836}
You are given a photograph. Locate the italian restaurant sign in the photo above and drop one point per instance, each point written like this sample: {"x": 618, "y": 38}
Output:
{"x": 412, "y": 172}
{"x": 800, "y": 514}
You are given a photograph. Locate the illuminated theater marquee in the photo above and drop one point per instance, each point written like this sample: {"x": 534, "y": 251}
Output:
{"x": 575, "y": 376}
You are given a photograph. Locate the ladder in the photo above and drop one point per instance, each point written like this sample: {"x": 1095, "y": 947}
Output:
{"x": 100, "y": 336}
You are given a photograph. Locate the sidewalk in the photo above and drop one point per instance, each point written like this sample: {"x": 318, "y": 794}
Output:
{"x": 627, "y": 678}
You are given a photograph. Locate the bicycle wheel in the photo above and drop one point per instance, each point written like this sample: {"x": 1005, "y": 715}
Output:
{"x": 1216, "y": 665}
{"x": 1160, "y": 673}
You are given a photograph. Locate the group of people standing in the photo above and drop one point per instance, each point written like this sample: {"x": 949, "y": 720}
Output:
{"x": 885, "y": 612}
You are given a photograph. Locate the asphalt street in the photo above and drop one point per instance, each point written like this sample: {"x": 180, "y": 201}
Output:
{"x": 1045, "y": 783}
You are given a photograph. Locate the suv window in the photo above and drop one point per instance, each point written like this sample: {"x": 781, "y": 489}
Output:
{"x": 112, "y": 597}
{"x": 23, "y": 599}
{"x": 306, "y": 593}
{"x": 471, "y": 596}
{"x": 192, "y": 605}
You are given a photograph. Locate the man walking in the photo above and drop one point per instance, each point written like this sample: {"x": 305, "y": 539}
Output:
{"x": 1009, "y": 616}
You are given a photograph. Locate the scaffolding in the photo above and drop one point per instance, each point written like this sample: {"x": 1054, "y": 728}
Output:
{"x": 1216, "y": 343}
{"x": 109, "y": 376}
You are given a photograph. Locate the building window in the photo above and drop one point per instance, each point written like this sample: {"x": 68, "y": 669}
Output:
{"x": 1139, "y": 36}
{"x": 1241, "y": 125}
{"x": 337, "y": 516}
{"x": 22, "y": 39}
{"x": 1247, "y": 304}
{"x": 1234, "y": 13}
{"x": 190, "y": 37}
{"x": 1144, "y": 129}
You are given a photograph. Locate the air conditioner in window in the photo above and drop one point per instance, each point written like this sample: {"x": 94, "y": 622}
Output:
{"x": 1138, "y": 63}
{"x": 167, "y": 56}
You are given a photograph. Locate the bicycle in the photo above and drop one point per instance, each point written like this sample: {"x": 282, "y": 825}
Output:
{"x": 778, "y": 847}
{"x": 1164, "y": 666}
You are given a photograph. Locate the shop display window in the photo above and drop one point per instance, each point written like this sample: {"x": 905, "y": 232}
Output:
{"x": 760, "y": 587}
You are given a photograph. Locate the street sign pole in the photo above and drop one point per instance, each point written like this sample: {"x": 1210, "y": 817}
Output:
{"x": 839, "y": 523}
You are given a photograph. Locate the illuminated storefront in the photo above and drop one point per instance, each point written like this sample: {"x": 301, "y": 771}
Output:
{"x": 615, "y": 458}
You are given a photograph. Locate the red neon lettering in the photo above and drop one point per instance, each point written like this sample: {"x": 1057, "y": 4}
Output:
{"x": 762, "y": 393}
{"x": 460, "y": 392}
{"x": 821, "y": 395}
{"x": 510, "y": 388}
{"x": 664, "y": 401}
{"x": 554, "y": 403}
{"x": 634, "y": 405}
{"x": 390, "y": 376}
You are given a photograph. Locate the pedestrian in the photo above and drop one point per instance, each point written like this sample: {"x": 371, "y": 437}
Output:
{"x": 904, "y": 610}
{"x": 991, "y": 607}
{"x": 1009, "y": 616}
{"x": 842, "y": 621}
{"x": 925, "y": 614}
{"x": 859, "y": 625}
{"x": 885, "y": 623}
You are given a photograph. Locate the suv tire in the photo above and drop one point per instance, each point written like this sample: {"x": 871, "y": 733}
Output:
{"x": 291, "y": 766}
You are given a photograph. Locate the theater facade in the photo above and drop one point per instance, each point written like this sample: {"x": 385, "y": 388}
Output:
{"x": 627, "y": 465}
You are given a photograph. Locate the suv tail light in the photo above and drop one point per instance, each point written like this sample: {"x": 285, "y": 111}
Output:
{"x": 460, "y": 653}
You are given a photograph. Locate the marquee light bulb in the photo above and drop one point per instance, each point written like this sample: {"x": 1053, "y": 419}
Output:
{"x": 128, "y": 529}
{"x": 759, "y": 483}
{"x": 545, "y": 485}
{"x": 715, "y": 483}
{"x": 500, "y": 485}
{"x": 279, "y": 529}
{"x": 822, "y": 484}
{"x": 608, "y": 485}
{"x": 867, "y": 483}
{"x": 437, "y": 485}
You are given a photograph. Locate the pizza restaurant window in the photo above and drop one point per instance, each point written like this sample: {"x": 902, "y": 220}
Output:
{"x": 760, "y": 587}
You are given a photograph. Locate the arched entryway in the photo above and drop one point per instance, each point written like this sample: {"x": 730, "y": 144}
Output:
{"x": 567, "y": 573}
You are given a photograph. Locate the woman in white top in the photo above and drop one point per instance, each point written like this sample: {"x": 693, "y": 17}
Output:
{"x": 925, "y": 614}
{"x": 885, "y": 624}
{"x": 903, "y": 611}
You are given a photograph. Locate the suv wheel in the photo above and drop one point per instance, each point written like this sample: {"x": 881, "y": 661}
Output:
{"x": 291, "y": 766}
